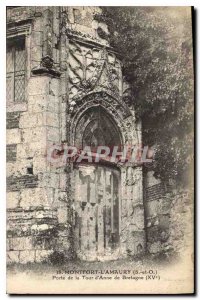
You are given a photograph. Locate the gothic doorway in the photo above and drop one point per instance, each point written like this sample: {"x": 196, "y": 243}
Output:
{"x": 97, "y": 190}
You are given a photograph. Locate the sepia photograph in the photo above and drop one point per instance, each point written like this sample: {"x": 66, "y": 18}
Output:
{"x": 100, "y": 149}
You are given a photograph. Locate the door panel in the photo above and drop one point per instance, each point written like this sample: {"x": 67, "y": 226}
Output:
{"x": 96, "y": 211}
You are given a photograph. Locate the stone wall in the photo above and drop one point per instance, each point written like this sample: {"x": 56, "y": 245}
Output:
{"x": 169, "y": 220}
{"x": 32, "y": 185}
{"x": 157, "y": 212}
{"x": 133, "y": 231}
{"x": 181, "y": 224}
{"x": 70, "y": 68}
{"x": 30, "y": 233}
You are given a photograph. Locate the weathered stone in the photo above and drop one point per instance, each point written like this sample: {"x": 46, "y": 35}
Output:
{"x": 21, "y": 243}
{"x": 51, "y": 180}
{"x": 12, "y": 199}
{"x": 41, "y": 164}
{"x": 17, "y": 168}
{"x": 22, "y": 182}
{"x": 27, "y": 256}
{"x": 153, "y": 208}
{"x": 38, "y": 86}
{"x": 52, "y": 119}
{"x": 62, "y": 215}
{"x": 42, "y": 103}
{"x": 154, "y": 248}
{"x": 31, "y": 120}
{"x": 27, "y": 150}
{"x": 42, "y": 255}
{"x": 13, "y": 136}
{"x": 35, "y": 134}
{"x": 12, "y": 257}
{"x": 63, "y": 243}
{"x": 136, "y": 243}
{"x": 53, "y": 134}
{"x": 35, "y": 197}
{"x": 18, "y": 14}
{"x": 37, "y": 103}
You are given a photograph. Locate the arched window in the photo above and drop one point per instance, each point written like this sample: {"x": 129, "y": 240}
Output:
{"x": 96, "y": 128}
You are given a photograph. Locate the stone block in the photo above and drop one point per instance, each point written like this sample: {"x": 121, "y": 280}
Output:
{"x": 37, "y": 103}
{"x": 62, "y": 215}
{"x": 12, "y": 257}
{"x": 53, "y": 134}
{"x": 154, "y": 248}
{"x": 12, "y": 199}
{"x": 36, "y": 53}
{"x": 40, "y": 164}
{"x": 42, "y": 255}
{"x": 26, "y": 150}
{"x": 21, "y": 243}
{"x": 17, "y": 168}
{"x": 30, "y": 120}
{"x": 138, "y": 217}
{"x": 13, "y": 136}
{"x": 135, "y": 242}
{"x": 27, "y": 256}
{"x": 35, "y": 134}
{"x": 60, "y": 196}
{"x": 52, "y": 119}
{"x": 49, "y": 180}
{"x": 36, "y": 197}
{"x": 153, "y": 208}
{"x": 38, "y": 85}
{"x": 37, "y": 26}
{"x": 36, "y": 39}
{"x": 16, "y": 107}
{"x": 63, "y": 181}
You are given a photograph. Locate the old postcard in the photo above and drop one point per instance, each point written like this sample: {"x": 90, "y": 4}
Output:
{"x": 100, "y": 116}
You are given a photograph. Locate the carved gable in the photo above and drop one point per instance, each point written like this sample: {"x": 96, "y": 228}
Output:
{"x": 91, "y": 69}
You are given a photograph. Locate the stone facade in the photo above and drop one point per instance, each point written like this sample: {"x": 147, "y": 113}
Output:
{"x": 70, "y": 69}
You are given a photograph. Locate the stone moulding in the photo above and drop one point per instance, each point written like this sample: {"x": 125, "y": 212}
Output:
{"x": 101, "y": 98}
{"x": 19, "y": 28}
{"x": 87, "y": 39}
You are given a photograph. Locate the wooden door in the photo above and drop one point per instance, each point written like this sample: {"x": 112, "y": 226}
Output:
{"x": 96, "y": 211}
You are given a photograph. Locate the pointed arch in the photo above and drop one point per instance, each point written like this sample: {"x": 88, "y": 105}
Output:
{"x": 97, "y": 128}
{"x": 115, "y": 110}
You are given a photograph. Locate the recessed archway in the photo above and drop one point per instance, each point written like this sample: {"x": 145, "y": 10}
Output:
{"x": 97, "y": 189}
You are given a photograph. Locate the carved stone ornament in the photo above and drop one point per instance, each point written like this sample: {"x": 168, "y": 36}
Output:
{"x": 91, "y": 69}
{"x": 46, "y": 67}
